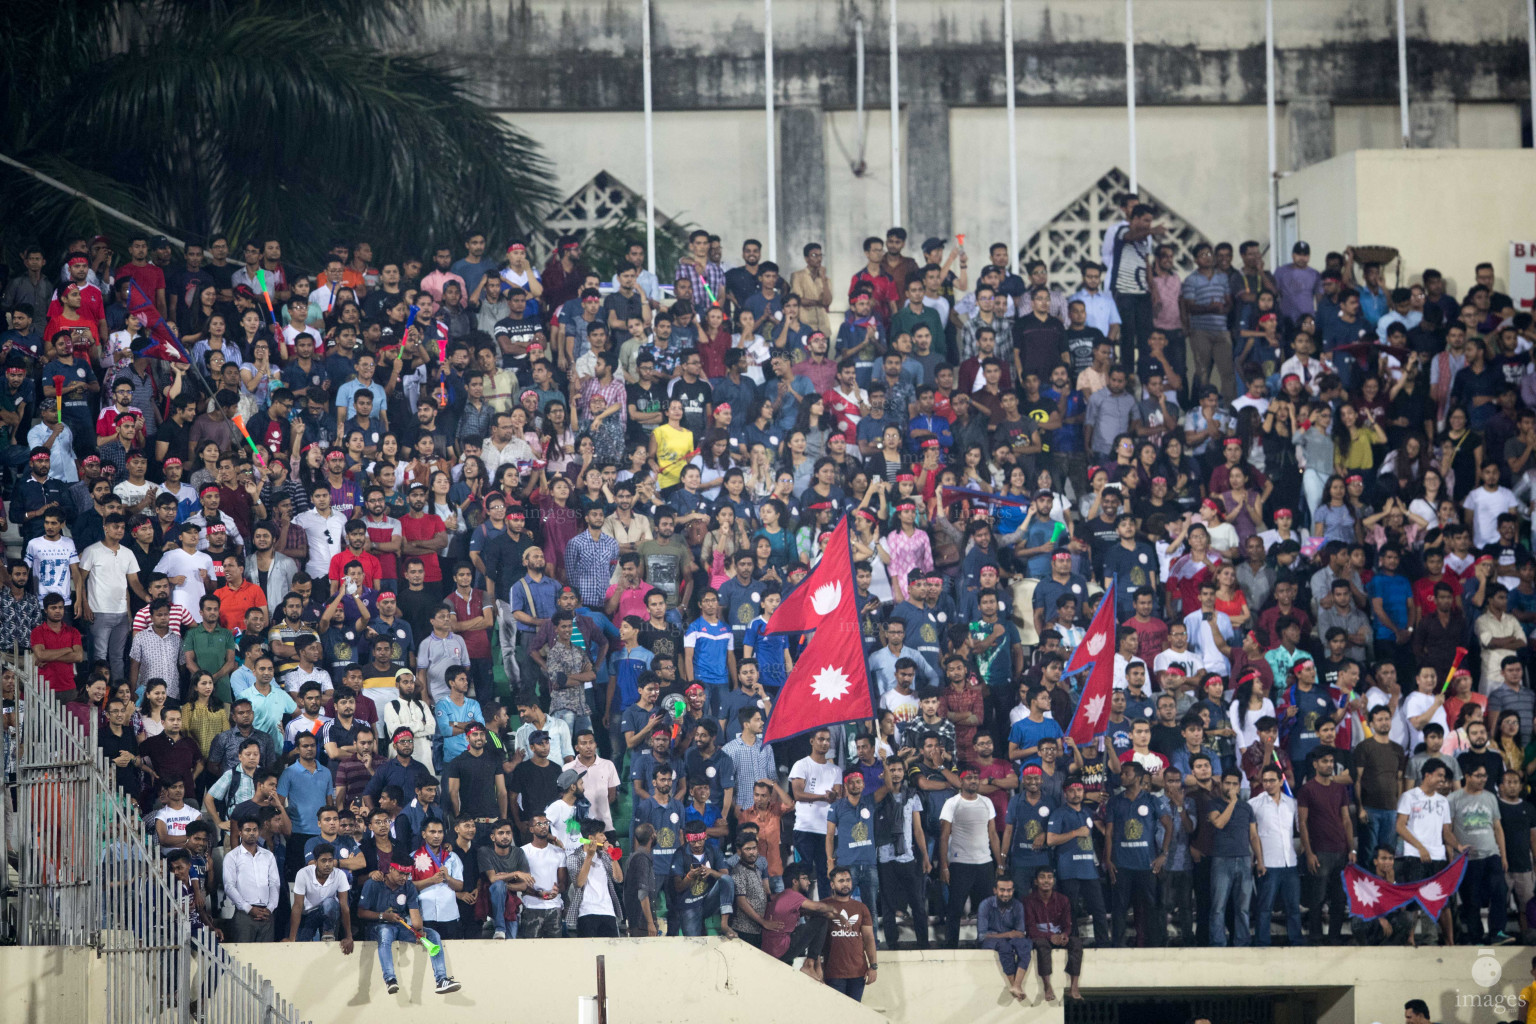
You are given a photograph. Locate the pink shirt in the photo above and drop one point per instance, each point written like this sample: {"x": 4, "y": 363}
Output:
{"x": 907, "y": 553}
{"x": 631, "y": 601}
{"x": 1165, "y": 302}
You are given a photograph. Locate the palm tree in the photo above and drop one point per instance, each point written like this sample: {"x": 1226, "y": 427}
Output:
{"x": 289, "y": 117}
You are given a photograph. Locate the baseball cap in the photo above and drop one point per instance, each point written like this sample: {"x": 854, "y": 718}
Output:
{"x": 567, "y": 779}
{"x": 538, "y": 736}
{"x": 1302, "y": 247}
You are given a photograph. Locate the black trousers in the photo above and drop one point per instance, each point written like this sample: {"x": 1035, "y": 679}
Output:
{"x": 1202, "y": 875}
{"x": 597, "y": 926}
{"x": 1135, "y": 326}
{"x": 1327, "y": 886}
{"x": 1087, "y": 897}
{"x": 966, "y": 881}
{"x": 808, "y": 939}
{"x": 1137, "y": 889}
{"x": 902, "y": 888}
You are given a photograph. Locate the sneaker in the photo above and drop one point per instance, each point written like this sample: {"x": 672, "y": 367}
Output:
{"x": 498, "y": 934}
{"x": 1502, "y": 939}
{"x": 328, "y": 937}
{"x": 391, "y": 986}
{"x": 447, "y": 985}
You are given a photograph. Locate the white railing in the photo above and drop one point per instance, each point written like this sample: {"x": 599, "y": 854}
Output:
{"x": 89, "y": 873}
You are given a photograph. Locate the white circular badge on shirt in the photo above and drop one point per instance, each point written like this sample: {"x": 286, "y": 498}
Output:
{"x": 943, "y": 616}
{"x": 1077, "y": 588}
{"x": 710, "y": 771}
{"x": 674, "y": 817}
{"x": 864, "y": 813}
{"x": 1142, "y": 810}
{"x": 756, "y": 597}
{"x": 1143, "y": 557}
{"x": 1045, "y": 812}
{"x": 400, "y": 899}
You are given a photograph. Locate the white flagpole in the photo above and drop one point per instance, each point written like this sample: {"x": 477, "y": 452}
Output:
{"x": 1269, "y": 113}
{"x": 895, "y": 124}
{"x": 1130, "y": 85}
{"x": 773, "y": 215}
{"x": 1402, "y": 74}
{"x": 1013, "y": 146}
{"x": 650, "y": 148}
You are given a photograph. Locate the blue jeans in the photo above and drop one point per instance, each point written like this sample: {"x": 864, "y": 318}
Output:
{"x": 387, "y": 935}
{"x": 1286, "y": 882}
{"x": 1380, "y": 830}
{"x": 498, "y": 897}
{"x": 811, "y": 850}
{"x": 721, "y": 896}
{"x": 320, "y": 920}
{"x": 853, "y": 988}
{"x": 866, "y": 886}
{"x": 1231, "y": 879}
{"x": 574, "y": 721}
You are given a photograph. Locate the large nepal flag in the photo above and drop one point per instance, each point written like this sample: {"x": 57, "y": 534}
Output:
{"x": 1371, "y": 897}
{"x": 1095, "y": 656}
{"x": 829, "y": 684}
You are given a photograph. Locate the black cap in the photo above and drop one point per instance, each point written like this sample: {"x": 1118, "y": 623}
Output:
{"x": 1302, "y": 247}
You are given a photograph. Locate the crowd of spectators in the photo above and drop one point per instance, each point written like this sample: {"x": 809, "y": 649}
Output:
{"x": 430, "y": 597}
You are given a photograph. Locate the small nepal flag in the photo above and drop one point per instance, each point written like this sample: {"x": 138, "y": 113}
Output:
{"x": 1095, "y": 656}
{"x": 166, "y": 345}
{"x": 830, "y": 682}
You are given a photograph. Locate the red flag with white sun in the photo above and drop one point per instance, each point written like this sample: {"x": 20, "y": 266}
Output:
{"x": 830, "y": 682}
{"x": 1371, "y": 897}
{"x": 1096, "y": 657}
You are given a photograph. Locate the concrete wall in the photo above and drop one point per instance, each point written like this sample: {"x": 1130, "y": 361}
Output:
{"x": 1449, "y": 209}
{"x": 685, "y": 980}
{"x": 581, "y": 54}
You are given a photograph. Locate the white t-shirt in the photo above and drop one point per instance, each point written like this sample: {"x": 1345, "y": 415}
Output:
{"x": 811, "y": 815}
{"x": 1486, "y": 506}
{"x": 600, "y": 776}
{"x": 544, "y": 865}
{"x": 177, "y": 562}
{"x": 559, "y": 812}
{"x": 595, "y": 901}
{"x": 1426, "y": 816}
{"x": 50, "y": 561}
{"x": 327, "y": 536}
{"x": 968, "y": 828}
{"x": 1413, "y": 705}
{"x": 297, "y": 677}
{"x": 106, "y": 587}
{"x": 316, "y": 892}
{"x": 133, "y": 493}
{"x": 176, "y": 822}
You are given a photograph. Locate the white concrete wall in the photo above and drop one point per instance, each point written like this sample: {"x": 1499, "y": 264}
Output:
{"x": 1445, "y": 208}
{"x": 1207, "y": 163}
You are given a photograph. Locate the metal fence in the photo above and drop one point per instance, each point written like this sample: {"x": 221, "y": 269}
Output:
{"x": 89, "y": 873}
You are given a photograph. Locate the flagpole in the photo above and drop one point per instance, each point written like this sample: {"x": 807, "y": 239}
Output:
{"x": 869, "y": 679}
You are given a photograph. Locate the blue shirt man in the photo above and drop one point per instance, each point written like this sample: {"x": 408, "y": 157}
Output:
{"x": 1074, "y": 858}
{"x": 707, "y": 645}
{"x": 666, "y": 816}
{"x": 1029, "y": 815}
{"x": 306, "y": 785}
{"x": 854, "y": 822}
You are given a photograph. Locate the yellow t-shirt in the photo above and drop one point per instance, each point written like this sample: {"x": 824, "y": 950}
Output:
{"x": 673, "y": 445}
{"x": 1528, "y": 997}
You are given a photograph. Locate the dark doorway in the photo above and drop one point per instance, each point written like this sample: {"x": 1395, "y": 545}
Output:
{"x": 1250, "y": 1008}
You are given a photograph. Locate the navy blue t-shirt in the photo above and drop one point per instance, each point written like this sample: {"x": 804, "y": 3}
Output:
{"x": 855, "y": 831}
{"x": 1135, "y": 823}
{"x": 1074, "y": 859}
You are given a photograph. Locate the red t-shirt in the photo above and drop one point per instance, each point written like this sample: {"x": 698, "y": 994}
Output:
{"x": 91, "y": 306}
{"x": 59, "y": 674}
{"x": 372, "y": 569}
{"x": 998, "y": 769}
{"x": 418, "y": 530}
{"x": 149, "y": 277}
{"x": 478, "y": 641}
{"x": 785, "y": 909}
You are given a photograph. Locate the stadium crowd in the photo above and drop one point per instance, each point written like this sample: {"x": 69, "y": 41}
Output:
{"x": 429, "y": 598}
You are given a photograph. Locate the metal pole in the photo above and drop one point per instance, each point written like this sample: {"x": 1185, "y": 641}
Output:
{"x": 1013, "y": 140}
{"x": 1402, "y": 74}
{"x": 1530, "y": 53}
{"x": 1269, "y": 113}
{"x": 602, "y": 991}
{"x": 103, "y": 207}
{"x": 895, "y": 124}
{"x": 773, "y": 214}
{"x": 1130, "y": 84}
{"x": 650, "y": 148}
{"x": 858, "y": 83}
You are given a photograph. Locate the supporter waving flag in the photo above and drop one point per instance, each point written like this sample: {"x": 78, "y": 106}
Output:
{"x": 830, "y": 681}
{"x": 1095, "y": 656}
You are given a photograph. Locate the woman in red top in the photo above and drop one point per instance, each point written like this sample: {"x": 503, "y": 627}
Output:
{"x": 1192, "y": 567}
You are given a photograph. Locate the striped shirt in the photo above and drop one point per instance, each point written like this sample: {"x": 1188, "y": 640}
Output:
{"x": 1200, "y": 290}
{"x": 1129, "y": 274}
{"x": 180, "y": 619}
